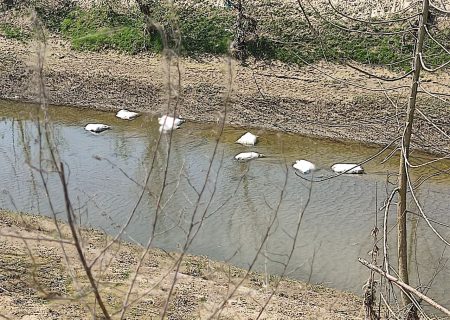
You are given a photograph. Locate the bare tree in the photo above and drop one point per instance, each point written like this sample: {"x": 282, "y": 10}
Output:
{"x": 420, "y": 32}
{"x": 404, "y": 157}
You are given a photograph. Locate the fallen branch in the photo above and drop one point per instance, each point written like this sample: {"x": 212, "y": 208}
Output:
{"x": 404, "y": 286}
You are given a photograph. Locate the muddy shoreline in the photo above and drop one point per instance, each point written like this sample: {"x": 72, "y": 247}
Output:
{"x": 36, "y": 282}
{"x": 327, "y": 101}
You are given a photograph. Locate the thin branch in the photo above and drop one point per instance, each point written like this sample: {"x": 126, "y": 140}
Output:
{"x": 77, "y": 241}
{"x": 306, "y": 16}
{"x": 291, "y": 253}
{"x": 433, "y": 124}
{"x": 263, "y": 242}
{"x": 435, "y": 41}
{"x": 439, "y": 9}
{"x": 389, "y": 307}
{"x": 416, "y": 201}
{"x": 371, "y": 75}
{"x": 358, "y": 164}
{"x": 404, "y": 286}
{"x": 433, "y": 94}
{"x": 347, "y": 82}
{"x": 429, "y": 69}
{"x": 385, "y": 231}
{"x": 369, "y": 21}
{"x": 355, "y": 30}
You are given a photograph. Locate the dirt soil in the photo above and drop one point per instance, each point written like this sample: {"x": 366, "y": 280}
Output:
{"x": 39, "y": 281}
{"x": 324, "y": 100}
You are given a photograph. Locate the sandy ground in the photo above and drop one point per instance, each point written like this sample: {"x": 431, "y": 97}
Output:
{"x": 325, "y": 100}
{"x": 36, "y": 282}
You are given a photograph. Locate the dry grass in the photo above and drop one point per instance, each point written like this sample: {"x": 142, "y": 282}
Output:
{"x": 35, "y": 282}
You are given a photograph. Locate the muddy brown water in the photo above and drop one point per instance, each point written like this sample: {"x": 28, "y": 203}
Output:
{"x": 105, "y": 173}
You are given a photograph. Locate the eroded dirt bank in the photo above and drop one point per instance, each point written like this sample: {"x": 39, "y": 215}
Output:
{"x": 36, "y": 283}
{"x": 324, "y": 100}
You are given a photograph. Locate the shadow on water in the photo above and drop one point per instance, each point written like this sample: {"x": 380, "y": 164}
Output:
{"x": 106, "y": 172}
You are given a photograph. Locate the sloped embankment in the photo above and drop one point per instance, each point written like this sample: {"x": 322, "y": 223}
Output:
{"x": 36, "y": 283}
{"x": 325, "y": 100}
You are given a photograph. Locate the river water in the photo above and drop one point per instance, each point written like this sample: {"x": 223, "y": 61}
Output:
{"x": 240, "y": 201}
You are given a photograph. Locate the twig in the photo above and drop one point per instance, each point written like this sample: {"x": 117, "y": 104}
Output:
{"x": 385, "y": 232}
{"x": 372, "y": 75}
{"x": 389, "y": 307}
{"x": 77, "y": 241}
{"x": 404, "y": 286}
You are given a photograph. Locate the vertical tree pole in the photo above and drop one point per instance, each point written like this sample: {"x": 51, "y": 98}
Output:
{"x": 402, "y": 179}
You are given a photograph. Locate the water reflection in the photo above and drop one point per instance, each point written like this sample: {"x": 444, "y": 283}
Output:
{"x": 107, "y": 171}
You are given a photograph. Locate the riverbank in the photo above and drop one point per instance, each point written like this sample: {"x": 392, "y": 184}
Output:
{"x": 322, "y": 100}
{"x": 36, "y": 283}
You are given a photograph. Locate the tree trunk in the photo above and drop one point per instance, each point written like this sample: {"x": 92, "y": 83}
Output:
{"x": 402, "y": 179}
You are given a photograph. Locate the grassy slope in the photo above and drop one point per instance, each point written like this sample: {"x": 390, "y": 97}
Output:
{"x": 282, "y": 34}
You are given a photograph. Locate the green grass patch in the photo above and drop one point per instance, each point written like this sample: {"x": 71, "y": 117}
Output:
{"x": 202, "y": 31}
{"x": 99, "y": 28}
{"x": 12, "y": 32}
{"x": 293, "y": 41}
{"x": 209, "y": 30}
